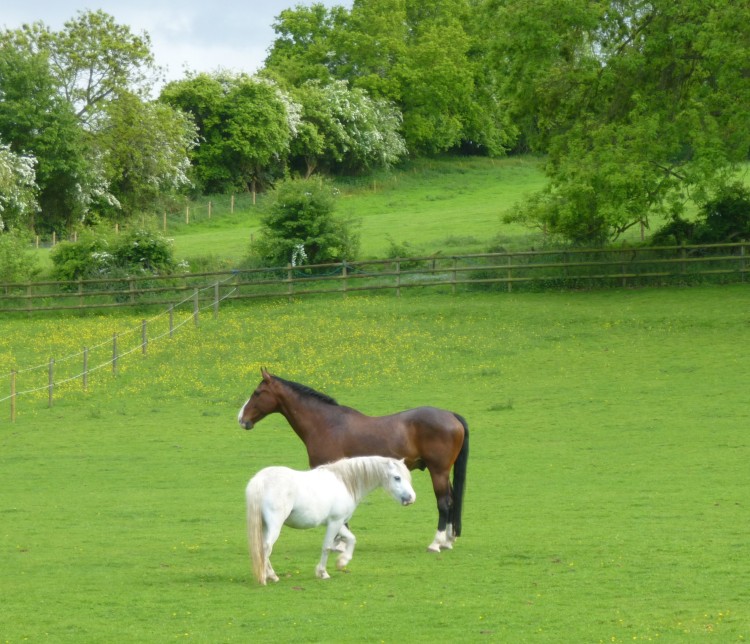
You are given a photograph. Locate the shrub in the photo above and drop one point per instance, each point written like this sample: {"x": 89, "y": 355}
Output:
{"x": 17, "y": 264}
{"x": 301, "y": 225}
{"x": 93, "y": 255}
{"x": 723, "y": 218}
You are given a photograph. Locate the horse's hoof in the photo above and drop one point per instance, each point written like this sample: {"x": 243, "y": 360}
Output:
{"x": 433, "y": 547}
{"x": 323, "y": 575}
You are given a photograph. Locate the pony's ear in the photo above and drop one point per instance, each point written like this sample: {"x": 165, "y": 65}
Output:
{"x": 265, "y": 374}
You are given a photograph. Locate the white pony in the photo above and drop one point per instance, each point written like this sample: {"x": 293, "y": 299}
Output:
{"x": 328, "y": 494}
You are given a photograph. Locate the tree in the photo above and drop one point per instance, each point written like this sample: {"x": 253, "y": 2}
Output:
{"x": 301, "y": 227}
{"x": 144, "y": 148}
{"x": 424, "y": 57}
{"x": 36, "y": 121}
{"x": 303, "y": 49}
{"x": 95, "y": 60}
{"x": 344, "y": 129}
{"x": 17, "y": 189}
{"x": 63, "y": 95}
{"x": 640, "y": 106}
{"x": 245, "y": 126}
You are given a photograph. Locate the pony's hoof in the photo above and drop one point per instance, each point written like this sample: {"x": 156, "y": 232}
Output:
{"x": 322, "y": 574}
{"x": 433, "y": 547}
{"x": 446, "y": 546}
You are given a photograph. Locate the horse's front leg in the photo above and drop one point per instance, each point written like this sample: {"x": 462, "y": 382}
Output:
{"x": 350, "y": 541}
{"x": 331, "y": 531}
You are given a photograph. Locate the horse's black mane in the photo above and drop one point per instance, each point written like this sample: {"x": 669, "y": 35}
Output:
{"x": 307, "y": 391}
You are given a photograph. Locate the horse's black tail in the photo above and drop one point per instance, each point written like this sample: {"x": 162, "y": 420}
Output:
{"x": 459, "y": 478}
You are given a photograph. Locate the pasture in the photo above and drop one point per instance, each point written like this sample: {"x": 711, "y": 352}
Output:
{"x": 607, "y": 489}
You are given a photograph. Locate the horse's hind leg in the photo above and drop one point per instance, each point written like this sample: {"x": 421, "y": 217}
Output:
{"x": 270, "y": 535}
{"x": 349, "y": 541}
{"x": 443, "y": 540}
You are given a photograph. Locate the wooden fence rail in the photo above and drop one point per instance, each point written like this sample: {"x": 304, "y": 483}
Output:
{"x": 526, "y": 270}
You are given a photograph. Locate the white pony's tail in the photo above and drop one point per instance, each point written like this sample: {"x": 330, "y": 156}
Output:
{"x": 254, "y": 499}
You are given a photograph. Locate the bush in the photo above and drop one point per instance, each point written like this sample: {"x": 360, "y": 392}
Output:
{"x": 724, "y": 218}
{"x": 301, "y": 227}
{"x": 17, "y": 264}
{"x": 92, "y": 256}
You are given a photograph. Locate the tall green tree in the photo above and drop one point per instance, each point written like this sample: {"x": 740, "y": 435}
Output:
{"x": 36, "y": 120}
{"x": 245, "y": 126}
{"x": 303, "y": 49}
{"x": 94, "y": 59}
{"x": 144, "y": 147}
{"x": 641, "y": 106}
{"x": 423, "y": 56}
{"x": 63, "y": 94}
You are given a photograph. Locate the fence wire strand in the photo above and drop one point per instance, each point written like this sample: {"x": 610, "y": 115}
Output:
{"x": 137, "y": 347}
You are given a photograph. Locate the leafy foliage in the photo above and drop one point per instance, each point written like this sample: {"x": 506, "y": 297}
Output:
{"x": 638, "y": 104}
{"x": 17, "y": 188}
{"x": 423, "y": 59}
{"x": 725, "y": 217}
{"x": 17, "y": 264}
{"x": 302, "y": 216}
{"x": 94, "y": 255}
{"x": 344, "y": 129}
{"x": 245, "y": 125}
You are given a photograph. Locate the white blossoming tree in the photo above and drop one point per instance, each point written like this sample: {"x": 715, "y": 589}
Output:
{"x": 17, "y": 188}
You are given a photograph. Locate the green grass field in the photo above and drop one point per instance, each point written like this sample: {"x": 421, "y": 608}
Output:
{"x": 607, "y": 496}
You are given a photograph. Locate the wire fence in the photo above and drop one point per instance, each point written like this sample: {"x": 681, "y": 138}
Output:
{"x": 117, "y": 352}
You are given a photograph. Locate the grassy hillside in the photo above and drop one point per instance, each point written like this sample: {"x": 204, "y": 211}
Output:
{"x": 451, "y": 205}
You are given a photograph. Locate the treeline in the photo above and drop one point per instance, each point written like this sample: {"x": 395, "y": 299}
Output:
{"x": 639, "y": 107}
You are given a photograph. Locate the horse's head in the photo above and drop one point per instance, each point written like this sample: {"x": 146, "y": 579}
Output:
{"x": 399, "y": 482}
{"x": 262, "y": 402}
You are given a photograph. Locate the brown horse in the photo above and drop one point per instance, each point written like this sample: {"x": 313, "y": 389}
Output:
{"x": 425, "y": 437}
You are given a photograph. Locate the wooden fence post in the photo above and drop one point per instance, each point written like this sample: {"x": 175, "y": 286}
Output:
{"x": 343, "y": 277}
{"x": 742, "y": 262}
{"x": 196, "y": 309}
{"x": 209, "y": 210}
{"x": 290, "y": 284}
{"x": 398, "y": 278}
{"x": 13, "y": 396}
{"x": 231, "y": 205}
{"x": 51, "y": 385}
{"x": 510, "y": 275}
{"x": 683, "y": 255}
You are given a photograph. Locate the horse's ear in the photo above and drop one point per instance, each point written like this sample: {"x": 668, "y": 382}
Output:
{"x": 265, "y": 374}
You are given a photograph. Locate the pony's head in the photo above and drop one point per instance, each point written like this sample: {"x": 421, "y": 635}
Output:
{"x": 262, "y": 402}
{"x": 399, "y": 482}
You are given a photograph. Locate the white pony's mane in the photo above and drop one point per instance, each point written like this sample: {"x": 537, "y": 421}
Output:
{"x": 361, "y": 474}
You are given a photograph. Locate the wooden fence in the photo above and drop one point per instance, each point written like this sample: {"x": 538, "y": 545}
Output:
{"x": 528, "y": 270}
